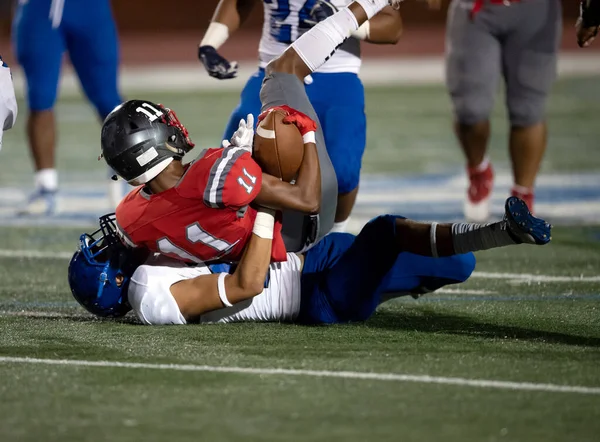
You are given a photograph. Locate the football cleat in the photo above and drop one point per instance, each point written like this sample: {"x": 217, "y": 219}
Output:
{"x": 477, "y": 203}
{"x": 523, "y": 226}
{"x": 41, "y": 202}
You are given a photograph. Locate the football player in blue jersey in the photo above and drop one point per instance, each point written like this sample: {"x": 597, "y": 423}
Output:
{"x": 43, "y": 30}
{"x": 335, "y": 90}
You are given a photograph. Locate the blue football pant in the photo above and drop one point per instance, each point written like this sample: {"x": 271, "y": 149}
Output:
{"x": 87, "y": 31}
{"x": 344, "y": 277}
{"x": 339, "y": 101}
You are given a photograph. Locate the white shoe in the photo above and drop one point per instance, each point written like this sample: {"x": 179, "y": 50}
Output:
{"x": 40, "y": 202}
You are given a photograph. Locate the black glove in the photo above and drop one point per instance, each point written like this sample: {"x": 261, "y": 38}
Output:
{"x": 590, "y": 13}
{"x": 215, "y": 65}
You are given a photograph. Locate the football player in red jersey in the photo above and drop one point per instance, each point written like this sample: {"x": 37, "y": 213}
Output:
{"x": 200, "y": 211}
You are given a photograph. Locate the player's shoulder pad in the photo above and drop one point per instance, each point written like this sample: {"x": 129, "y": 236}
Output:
{"x": 234, "y": 179}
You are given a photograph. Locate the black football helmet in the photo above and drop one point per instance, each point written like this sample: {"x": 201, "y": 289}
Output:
{"x": 140, "y": 139}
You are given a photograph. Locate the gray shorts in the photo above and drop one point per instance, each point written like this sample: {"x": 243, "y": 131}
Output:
{"x": 519, "y": 42}
{"x": 300, "y": 230}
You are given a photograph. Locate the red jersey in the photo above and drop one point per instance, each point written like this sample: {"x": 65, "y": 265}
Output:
{"x": 205, "y": 217}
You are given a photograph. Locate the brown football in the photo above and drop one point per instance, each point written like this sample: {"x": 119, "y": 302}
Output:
{"x": 278, "y": 147}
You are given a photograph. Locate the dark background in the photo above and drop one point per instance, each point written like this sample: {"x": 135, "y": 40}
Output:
{"x": 187, "y": 15}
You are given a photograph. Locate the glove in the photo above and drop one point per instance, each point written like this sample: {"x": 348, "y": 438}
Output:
{"x": 320, "y": 11}
{"x": 215, "y": 65}
{"x": 303, "y": 122}
{"x": 244, "y": 136}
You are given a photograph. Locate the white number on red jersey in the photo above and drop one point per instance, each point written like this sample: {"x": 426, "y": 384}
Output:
{"x": 242, "y": 181}
{"x": 195, "y": 234}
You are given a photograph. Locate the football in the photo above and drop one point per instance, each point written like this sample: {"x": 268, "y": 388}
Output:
{"x": 278, "y": 147}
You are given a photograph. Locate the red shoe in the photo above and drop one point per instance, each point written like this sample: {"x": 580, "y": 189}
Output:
{"x": 526, "y": 194}
{"x": 477, "y": 203}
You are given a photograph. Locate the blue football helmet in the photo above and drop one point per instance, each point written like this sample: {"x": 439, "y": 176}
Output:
{"x": 100, "y": 270}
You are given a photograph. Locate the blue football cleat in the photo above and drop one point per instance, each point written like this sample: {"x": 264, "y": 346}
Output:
{"x": 41, "y": 202}
{"x": 523, "y": 226}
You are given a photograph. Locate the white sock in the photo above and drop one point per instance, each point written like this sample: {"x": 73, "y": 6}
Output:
{"x": 483, "y": 165}
{"x": 317, "y": 45}
{"x": 340, "y": 227}
{"x": 46, "y": 179}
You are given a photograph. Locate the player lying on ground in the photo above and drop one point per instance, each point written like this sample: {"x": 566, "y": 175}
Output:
{"x": 335, "y": 89}
{"x": 200, "y": 213}
{"x": 343, "y": 278}
{"x": 8, "y": 102}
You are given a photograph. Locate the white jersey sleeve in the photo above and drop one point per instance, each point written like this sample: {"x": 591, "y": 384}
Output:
{"x": 149, "y": 294}
{"x": 8, "y": 102}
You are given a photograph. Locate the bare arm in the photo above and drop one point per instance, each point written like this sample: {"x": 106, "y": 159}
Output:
{"x": 233, "y": 13}
{"x": 200, "y": 295}
{"x": 385, "y": 27}
{"x": 303, "y": 196}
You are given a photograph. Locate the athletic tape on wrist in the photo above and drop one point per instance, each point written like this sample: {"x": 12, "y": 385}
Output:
{"x": 433, "y": 240}
{"x": 309, "y": 137}
{"x": 363, "y": 32}
{"x": 216, "y": 34}
{"x": 264, "y": 224}
{"x": 222, "y": 292}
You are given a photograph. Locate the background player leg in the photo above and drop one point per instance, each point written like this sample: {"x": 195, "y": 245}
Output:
{"x": 472, "y": 75}
{"x": 339, "y": 100}
{"x": 39, "y": 49}
{"x": 91, "y": 38}
{"x": 529, "y": 64}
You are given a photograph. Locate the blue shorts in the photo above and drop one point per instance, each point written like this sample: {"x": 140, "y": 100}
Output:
{"x": 339, "y": 101}
{"x": 85, "y": 29}
{"x": 344, "y": 277}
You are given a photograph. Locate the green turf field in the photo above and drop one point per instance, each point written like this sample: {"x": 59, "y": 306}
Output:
{"x": 530, "y": 315}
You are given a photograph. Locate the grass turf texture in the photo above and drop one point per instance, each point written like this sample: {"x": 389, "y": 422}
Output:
{"x": 545, "y": 332}
{"x": 540, "y": 331}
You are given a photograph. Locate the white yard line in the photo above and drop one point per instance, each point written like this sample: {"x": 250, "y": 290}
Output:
{"x": 528, "y": 277}
{"x": 464, "y": 292}
{"x": 35, "y": 254}
{"x": 390, "y": 377}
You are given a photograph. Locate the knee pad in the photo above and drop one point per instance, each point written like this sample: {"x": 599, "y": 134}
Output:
{"x": 527, "y": 109}
{"x": 471, "y": 108}
{"x": 105, "y": 102}
{"x": 41, "y": 96}
{"x": 463, "y": 266}
{"x": 528, "y": 85}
